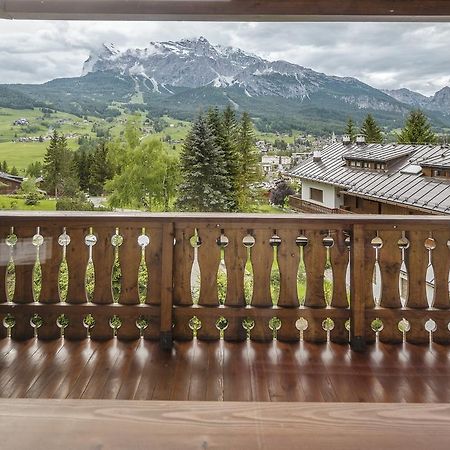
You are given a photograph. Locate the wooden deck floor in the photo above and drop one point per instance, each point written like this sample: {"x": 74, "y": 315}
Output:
{"x": 223, "y": 371}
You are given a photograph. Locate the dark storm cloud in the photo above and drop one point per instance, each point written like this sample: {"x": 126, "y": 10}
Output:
{"x": 385, "y": 55}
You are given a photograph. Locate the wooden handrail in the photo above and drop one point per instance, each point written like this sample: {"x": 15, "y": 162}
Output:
{"x": 9, "y": 217}
{"x": 224, "y": 275}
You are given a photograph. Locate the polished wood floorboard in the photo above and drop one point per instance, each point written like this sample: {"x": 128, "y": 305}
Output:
{"x": 228, "y": 371}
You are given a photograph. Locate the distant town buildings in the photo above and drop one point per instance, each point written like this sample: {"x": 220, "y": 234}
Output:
{"x": 274, "y": 164}
{"x": 374, "y": 179}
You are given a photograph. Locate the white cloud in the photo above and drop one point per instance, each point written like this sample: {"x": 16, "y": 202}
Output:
{"x": 385, "y": 55}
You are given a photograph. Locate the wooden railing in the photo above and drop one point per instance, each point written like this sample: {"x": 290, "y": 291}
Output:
{"x": 176, "y": 276}
{"x": 304, "y": 206}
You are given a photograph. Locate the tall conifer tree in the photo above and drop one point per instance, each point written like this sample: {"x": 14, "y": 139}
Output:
{"x": 249, "y": 168}
{"x": 371, "y": 131}
{"x": 205, "y": 185}
{"x": 100, "y": 170}
{"x": 350, "y": 130}
{"x": 58, "y": 170}
{"x": 417, "y": 130}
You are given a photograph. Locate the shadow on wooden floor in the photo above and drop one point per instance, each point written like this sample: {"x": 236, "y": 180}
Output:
{"x": 226, "y": 371}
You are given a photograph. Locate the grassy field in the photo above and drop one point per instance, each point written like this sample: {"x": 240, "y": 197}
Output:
{"x": 21, "y": 154}
{"x": 9, "y": 202}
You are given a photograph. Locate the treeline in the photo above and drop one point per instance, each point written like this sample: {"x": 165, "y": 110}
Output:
{"x": 60, "y": 177}
{"x": 417, "y": 130}
{"x": 4, "y": 167}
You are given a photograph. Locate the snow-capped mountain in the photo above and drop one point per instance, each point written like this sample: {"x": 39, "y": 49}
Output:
{"x": 195, "y": 63}
{"x": 186, "y": 77}
{"x": 187, "y": 63}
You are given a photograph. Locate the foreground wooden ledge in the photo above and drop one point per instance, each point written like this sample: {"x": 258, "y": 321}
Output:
{"x": 76, "y": 424}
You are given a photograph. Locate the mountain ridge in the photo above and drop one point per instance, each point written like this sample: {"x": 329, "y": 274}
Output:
{"x": 182, "y": 78}
{"x": 439, "y": 101}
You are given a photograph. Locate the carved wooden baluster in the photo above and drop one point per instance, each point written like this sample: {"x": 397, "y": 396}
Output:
{"x": 262, "y": 259}
{"x": 288, "y": 261}
{"x": 315, "y": 258}
{"x": 222, "y": 277}
{"x": 390, "y": 260}
{"x": 208, "y": 260}
{"x": 129, "y": 254}
{"x": 103, "y": 259}
{"x": 37, "y": 241}
{"x": 235, "y": 259}
{"x": 24, "y": 259}
{"x": 130, "y": 258}
{"x": 50, "y": 257}
{"x": 339, "y": 257}
{"x": 153, "y": 256}
{"x": 5, "y": 253}
{"x": 183, "y": 259}
{"x": 77, "y": 254}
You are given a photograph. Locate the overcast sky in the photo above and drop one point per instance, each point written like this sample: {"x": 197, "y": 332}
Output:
{"x": 385, "y": 55}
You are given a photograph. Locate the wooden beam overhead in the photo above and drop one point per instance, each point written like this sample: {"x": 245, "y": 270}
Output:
{"x": 228, "y": 10}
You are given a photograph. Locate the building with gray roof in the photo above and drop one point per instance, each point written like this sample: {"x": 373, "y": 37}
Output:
{"x": 375, "y": 178}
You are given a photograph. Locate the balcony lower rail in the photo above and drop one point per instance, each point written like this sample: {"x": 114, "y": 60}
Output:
{"x": 350, "y": 279}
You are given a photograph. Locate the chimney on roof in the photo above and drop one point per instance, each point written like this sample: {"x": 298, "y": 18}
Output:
{"x": 346, "y": 140}
{"x": 317, "y": 155}
{"x": 360, "y": 139}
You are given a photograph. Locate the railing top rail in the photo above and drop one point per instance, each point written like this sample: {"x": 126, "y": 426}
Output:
{"x": 99, "y": 217}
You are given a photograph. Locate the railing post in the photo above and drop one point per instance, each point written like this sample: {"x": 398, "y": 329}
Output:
{"x": 357, "y": 289}
{"x": 166, "y": 339}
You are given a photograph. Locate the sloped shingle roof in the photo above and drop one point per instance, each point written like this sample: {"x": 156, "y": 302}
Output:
{"x": 392, "y": 185}
{"x": 379, "y": 153}
{"x": 9, "y": 177}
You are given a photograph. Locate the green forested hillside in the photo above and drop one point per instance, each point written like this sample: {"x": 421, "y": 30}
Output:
{"x": 103, "y": 94}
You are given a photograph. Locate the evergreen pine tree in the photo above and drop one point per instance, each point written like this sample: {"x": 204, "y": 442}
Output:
{"x": 51, "y": 169}
{"x": 83, "y": 164}
{"x": 58, "y": 170}
{"x": 350, "y": 130}
{"x": 68, "y": 179}
{"x": 100, "y": 169}
{"x": 205, "y": 185}
{"x": 4, "y": 167}
{"x": 230, "y": 151}
{"x": 371, "y": 131}
{"x": 417, "y": 130}
{"x": 223, "y": 128}
{"x": 249, "y": 168}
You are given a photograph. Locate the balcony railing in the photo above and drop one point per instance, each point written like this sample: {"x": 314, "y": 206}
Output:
{"x": 213, "y": 276}
{"x": 297, "y": 203}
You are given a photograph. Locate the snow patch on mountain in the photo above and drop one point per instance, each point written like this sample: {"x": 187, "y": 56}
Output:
{"x": 195, "y": 63}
